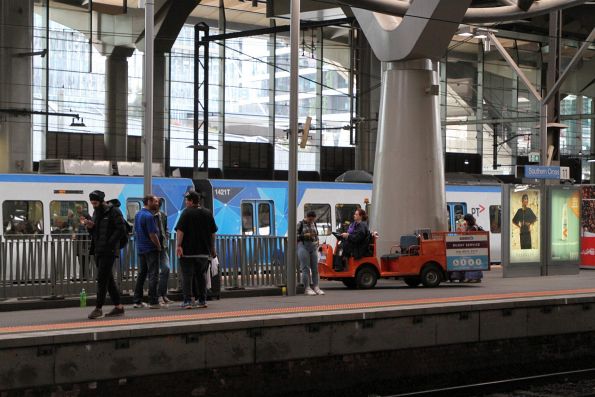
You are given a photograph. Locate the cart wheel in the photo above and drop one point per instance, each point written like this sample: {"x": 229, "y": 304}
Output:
{"x": 349, "y": 283}
{"x": 366, "y": 278}
{"x": 431, "y": 276}
{"x": 412, "y": 281}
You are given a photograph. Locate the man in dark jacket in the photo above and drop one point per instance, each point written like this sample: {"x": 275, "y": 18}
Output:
{"x": 106, "y": 229}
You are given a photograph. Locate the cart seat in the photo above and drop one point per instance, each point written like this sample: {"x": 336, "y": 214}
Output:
{"x": 390, "y": 256}
{"x": 407, "y": 241}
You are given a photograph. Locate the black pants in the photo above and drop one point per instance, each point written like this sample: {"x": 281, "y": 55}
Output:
{"x": 194, "y": 272}
{"x": 105, "y": 280}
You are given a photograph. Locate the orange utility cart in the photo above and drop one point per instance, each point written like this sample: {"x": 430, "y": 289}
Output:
{"x": 425, "y": 258}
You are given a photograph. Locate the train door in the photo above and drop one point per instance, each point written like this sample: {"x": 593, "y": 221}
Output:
{"x": 456, "y": 212}
{"x": 258, "y": 217}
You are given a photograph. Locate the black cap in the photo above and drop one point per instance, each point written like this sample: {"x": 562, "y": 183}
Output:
{"x": 192, "y": 196}
{"x": 97, "y": 195}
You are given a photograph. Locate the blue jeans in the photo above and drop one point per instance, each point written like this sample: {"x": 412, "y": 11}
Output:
{"x": 194, "y": 271}
{"x": 149, "y": 264}
{"x": 308, "y": 256}
{"x": 163, "y": 273}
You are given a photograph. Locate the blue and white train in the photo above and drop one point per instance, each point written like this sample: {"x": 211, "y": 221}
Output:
{"x": 38, "y": 204}
{"x": 260, "y": 207}
{"x": 41, "y": 204}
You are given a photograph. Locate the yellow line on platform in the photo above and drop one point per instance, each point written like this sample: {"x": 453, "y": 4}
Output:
{"x": 287, "y": 310}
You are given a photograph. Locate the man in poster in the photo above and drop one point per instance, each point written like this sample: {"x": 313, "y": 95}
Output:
{"x": 523, "y": 219}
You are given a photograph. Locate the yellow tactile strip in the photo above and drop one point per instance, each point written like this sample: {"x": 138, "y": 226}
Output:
{"x": 205, "y": 315}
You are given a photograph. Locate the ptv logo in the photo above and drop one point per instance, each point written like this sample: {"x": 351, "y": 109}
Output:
{"x": 475, "y": 211}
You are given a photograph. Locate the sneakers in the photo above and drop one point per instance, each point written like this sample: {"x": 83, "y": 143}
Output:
{"x": 155, "y": 306}
{"x": 186, "y": 305}
{"x": 140, "y": 305}
{"x": 116, "y": 311}
{"x": 318, "y": 291}
{"x": 96, "y": 313}
{"x": 202, "y": 305}
{"x": 309, "y": 292}
{"x": 165, "y": 300}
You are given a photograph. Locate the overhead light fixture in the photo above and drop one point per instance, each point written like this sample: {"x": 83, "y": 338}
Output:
{"x": 200, "y": 148}
{"x": 465, "y": 31}
{"x": 77, "y": 123}
{"x": 480, "y": 34}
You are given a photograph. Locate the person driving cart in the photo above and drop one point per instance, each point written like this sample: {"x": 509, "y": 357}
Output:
{"x": 354, "y": 242}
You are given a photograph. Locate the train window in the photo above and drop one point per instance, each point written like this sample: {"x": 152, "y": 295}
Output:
{"x": 133, "y": 206}
{"x": 323, "y": 217}
{"x": 495, "y": 218}
{"x": 264, "y": 219}
{"x": 459, "y": 211}
{"x": 65, "y": 217}
{"x": 22, "y": 217}
{"x": 344, "y": 215}
{"x": 247, "y": 219}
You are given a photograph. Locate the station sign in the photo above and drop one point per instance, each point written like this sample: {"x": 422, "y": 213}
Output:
{"x": 467, "y": 251}
{"x": 542, "y": 172}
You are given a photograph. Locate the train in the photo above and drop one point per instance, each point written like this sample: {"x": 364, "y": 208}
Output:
{"x": 250, "y": 207}
{"x": 40, "y": 204}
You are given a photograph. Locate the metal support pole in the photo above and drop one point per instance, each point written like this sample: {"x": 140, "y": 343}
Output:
{"x": 205, "y": 100}
{"x": 293, "y": 133}
{"x": 196, "y": 101}
{"x": 149, "y": 59}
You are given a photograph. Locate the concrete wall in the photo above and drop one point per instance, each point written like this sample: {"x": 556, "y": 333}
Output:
{"x": 16, "y": 40}
{"x": 384, "y": 350}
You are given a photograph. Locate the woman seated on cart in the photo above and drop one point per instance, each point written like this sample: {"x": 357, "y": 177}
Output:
{"x": 355, "y": 242}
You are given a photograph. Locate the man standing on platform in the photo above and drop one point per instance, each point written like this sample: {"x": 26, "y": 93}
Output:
{"x": 161, "y": 219}
{"x": 196, "y": 242}
{"x": 149, "y": 250}
{"x": 106, "y": 229}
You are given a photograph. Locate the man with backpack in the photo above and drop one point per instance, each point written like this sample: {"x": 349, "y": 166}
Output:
{"x": 148, "y": 247}
{"x": 107, "y": 228}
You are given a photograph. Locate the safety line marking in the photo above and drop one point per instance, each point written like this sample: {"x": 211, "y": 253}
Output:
{"x": 102, "y": 323}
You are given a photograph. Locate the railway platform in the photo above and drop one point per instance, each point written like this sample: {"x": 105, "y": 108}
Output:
{"x": 392, "y": 337}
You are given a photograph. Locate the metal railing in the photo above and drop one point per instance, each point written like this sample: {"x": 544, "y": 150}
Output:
{"x": 60, "y": 265}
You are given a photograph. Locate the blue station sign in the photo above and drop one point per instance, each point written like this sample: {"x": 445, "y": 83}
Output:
{"x": 542, "y": 172}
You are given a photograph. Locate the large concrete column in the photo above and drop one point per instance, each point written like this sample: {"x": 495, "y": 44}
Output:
{"x": 409, "y": 170}
{"x": 16, "y": 41}
{"x": 368, "y": 105}
{"x": 408, "y": 190}
{"x": 160, "y": 106}
{"x": 116, "y": 102}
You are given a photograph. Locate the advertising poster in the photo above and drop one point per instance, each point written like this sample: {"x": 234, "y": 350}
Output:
{"x": 565, "y": 219}
{"x": 467, "y": 252}
{"x": 525, "y": 226}
{"x": 588, "y": 227}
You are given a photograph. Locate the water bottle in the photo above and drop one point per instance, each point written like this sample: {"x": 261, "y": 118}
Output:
{"x": 83, "y": 298}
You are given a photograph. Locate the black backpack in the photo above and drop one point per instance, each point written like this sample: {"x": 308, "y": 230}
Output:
{"x": 125, "y": 237}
